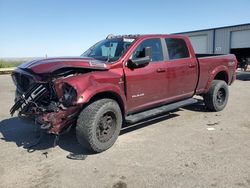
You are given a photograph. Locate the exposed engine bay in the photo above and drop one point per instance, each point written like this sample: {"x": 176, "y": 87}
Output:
{"x": 47, "y": 99}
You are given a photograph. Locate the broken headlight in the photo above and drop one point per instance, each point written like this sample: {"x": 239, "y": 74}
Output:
{"x": 69, "y": 95}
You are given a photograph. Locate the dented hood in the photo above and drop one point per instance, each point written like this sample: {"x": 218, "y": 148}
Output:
{"x": 52, "y": 64}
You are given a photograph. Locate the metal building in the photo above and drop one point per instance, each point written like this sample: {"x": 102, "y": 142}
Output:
{"x": 223, "y": 40}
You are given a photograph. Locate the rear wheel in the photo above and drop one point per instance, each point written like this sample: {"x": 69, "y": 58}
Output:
{"x": 217, "y": 96}
{"x": 99, "y": 125}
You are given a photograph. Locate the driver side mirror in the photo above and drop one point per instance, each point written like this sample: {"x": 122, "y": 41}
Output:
{"x": 143, "y": 60}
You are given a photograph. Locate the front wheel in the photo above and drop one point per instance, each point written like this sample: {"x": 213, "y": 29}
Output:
{"x": 217, "y": 96}
{"x": 99, "y": 124}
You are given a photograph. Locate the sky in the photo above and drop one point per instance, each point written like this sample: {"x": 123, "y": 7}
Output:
{"x": 34, "y": 28}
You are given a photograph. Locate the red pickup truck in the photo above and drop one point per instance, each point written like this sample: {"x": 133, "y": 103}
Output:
{"x": 120, "y": 79}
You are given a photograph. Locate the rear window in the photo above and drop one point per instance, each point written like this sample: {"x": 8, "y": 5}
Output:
{"x": 177, "y": 48}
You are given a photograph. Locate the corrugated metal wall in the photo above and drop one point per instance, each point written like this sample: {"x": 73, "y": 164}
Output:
{"x": 208, "y": 33}
{"x": 223, "y": 38}
{"x": 240, "y": 39}
{"x": 219, "y": 39}
{"x": 200, "y": 43}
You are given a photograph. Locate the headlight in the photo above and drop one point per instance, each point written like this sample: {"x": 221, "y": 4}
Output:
{"x": 69, "y": 95}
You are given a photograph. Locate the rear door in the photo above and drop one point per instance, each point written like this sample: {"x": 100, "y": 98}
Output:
{"x": 147, "y": 85}
{"x": 182, "y": 69}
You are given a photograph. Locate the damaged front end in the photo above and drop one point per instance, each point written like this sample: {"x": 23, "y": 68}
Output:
{"x": 50, "y": 102}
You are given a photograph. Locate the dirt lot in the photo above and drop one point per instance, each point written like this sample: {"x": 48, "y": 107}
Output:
{"x": 175, "y": 150}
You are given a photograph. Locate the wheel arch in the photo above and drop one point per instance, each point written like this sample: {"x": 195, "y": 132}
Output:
{"x": 222, "y": 75}
{"x": 219, "y": 73}
{"x": 109, "y": 95}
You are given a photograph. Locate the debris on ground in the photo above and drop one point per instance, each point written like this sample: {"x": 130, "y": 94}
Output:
{"x": 212, "y": 124}
{"x": 76, "y": 156}
{"x": 210, "y": 128}
{"x": 120, "y": 184}
{"x": 46, "y": 154}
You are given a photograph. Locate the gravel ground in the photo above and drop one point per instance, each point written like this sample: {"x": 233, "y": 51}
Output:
{"x": 188, "y": 148}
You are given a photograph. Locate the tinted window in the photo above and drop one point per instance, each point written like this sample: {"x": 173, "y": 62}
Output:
{"x": 177, "y": 48}
{"x": 156, "y": 47}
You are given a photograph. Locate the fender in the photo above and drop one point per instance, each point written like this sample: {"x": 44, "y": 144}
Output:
{"x": 92, "y": 91}
{"x": 89, "y": 85}
{"x": 213, "y": 73}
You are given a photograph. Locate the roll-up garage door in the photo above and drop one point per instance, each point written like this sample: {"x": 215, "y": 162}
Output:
{"x": 240, "y": 39}
{"x": 199, "y": 43}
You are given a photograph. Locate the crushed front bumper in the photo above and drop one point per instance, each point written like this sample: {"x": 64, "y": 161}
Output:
{"x": 54, "y": 117}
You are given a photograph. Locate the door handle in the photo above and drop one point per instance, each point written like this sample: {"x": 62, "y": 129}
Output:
{"x": 192, "y": 65}
{"x": 159, "y": 70}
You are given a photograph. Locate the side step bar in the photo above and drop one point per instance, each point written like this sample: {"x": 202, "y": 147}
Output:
{"x": 134, "y": 118}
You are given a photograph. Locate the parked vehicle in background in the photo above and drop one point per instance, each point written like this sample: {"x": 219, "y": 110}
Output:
{"x": 120, "y": 79}
{"x": 243, "y": 63}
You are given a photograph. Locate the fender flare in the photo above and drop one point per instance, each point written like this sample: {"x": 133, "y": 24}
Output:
{"x": 215, "y": 72}
{"x": 92, "y": 91}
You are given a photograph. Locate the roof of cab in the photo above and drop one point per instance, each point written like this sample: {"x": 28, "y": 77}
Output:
{"x": 136, "y": 36}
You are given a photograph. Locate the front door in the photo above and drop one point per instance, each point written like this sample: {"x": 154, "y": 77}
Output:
{"x": 146, "y": 86}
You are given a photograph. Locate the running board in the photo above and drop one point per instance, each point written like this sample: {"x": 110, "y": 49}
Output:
{"x": 134, "y": 118}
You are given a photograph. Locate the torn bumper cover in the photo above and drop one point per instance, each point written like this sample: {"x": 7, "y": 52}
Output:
{"x": 41, "y": 104}
{"x": 49, "y": 91}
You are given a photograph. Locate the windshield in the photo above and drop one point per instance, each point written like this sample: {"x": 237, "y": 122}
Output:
{"x": 109, "y": 50}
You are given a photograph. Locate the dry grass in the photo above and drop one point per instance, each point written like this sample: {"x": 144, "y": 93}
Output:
{"x": 6, "y": 64}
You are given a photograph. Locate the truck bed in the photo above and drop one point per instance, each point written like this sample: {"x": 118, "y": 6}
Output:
{"x": 207, "y": 55}
{"x": 208, "y": 63}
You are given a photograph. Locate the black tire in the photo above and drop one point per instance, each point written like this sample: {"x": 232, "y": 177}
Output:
{"x": 99, "y": 124}
{"x": 217, "y": 96}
